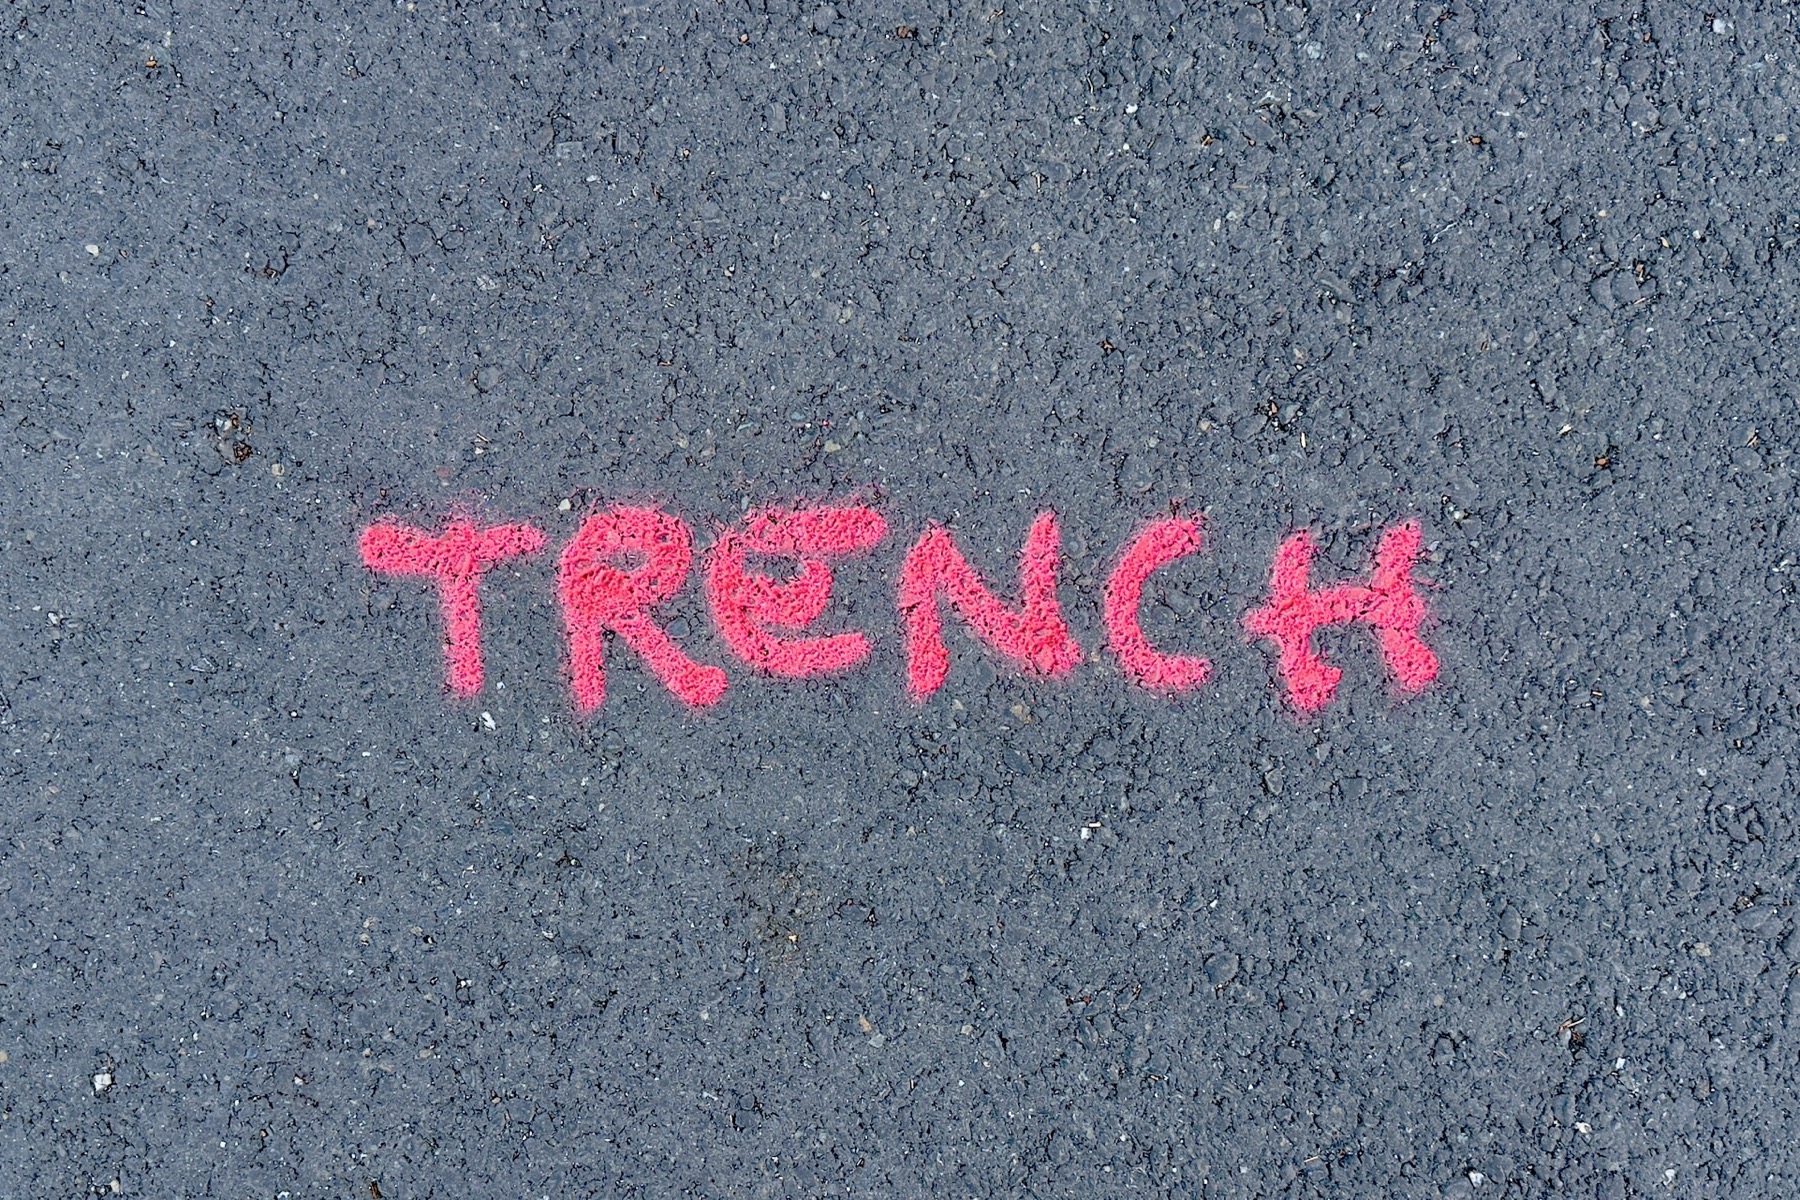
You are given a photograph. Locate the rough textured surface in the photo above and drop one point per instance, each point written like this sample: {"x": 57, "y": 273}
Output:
{"x": 279, "y": 918}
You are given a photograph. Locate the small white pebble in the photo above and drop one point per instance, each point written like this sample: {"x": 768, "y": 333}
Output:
{"x": 92, "y": 249}
{"x": 102, "y": 1081}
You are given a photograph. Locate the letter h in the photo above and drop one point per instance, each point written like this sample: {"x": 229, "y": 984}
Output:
{"x": 1390, "y": 602}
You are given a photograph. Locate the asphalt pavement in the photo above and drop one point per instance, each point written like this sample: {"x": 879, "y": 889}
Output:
{"x": 778, "y": 600}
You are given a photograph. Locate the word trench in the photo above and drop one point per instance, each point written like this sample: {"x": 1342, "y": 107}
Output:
{"x": 624, "y": 562}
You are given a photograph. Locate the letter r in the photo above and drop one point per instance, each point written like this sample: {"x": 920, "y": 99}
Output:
{"x": 598, "y": 593}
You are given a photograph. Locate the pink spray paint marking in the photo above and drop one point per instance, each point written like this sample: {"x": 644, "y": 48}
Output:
{"x": 1162, "y": 542}
{"x": 1390, "y": 602}
{"x": 746, "y": 605}
{"x": 455, "y": 560}
{"x": 1035, "y": 636}
{"x": 598, "y": 594}
{"x": 624, "y": 562}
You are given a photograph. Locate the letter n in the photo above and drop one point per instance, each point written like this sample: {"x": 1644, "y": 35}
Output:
{"x": 1034, "y": 635}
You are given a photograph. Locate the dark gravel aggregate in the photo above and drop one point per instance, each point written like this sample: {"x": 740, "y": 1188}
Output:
{"x": 279, "y": 918}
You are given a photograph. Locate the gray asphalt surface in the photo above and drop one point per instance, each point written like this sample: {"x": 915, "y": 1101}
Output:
{"x": 281, "y": 918}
